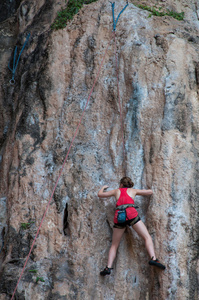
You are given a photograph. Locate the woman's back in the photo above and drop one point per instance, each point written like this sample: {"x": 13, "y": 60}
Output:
{"x": 124, "y": 197}
{"x": 129, "y": 191}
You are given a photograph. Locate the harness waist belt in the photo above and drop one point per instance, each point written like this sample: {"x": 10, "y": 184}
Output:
{"x": 126, "y": 206}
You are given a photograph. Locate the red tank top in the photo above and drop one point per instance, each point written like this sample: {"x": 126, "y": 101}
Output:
{"x": 126, "y": 199}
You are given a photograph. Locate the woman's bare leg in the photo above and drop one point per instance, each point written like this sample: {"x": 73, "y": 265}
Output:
{"x": 142, "y": 231}
{"x": 117, "y": 235}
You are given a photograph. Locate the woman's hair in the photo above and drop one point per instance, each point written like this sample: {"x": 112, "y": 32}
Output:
{"x": 127, "y": 182}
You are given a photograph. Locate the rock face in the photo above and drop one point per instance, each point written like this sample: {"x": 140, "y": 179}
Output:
{"x": 158, "y": 61}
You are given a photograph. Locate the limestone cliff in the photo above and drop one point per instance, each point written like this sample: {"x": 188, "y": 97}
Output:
{"x": 159, "y": 79}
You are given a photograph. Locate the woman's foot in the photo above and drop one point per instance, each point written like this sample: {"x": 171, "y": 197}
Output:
{"x": 106, "y": 271}
{"x": 156, "y": 263}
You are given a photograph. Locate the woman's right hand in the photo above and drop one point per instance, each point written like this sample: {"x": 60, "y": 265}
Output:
{"x": 105, "y": 187}
{"x": 104, "y": 194}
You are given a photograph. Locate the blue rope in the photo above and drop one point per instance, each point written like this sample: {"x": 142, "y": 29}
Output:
{"x": 113, "y": 13}
{"x": 15, "y": 64}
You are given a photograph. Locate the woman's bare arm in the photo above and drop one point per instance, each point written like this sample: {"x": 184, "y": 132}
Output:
{"x": 144, "y": 192}
{"x": 103, "y": 194}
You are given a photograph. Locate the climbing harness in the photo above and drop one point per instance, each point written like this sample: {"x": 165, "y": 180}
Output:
{"x": 124, "y": 206}
{"x": 121, "y": 214}
{"x": 16, "y": 60}
{"x": 60, "y": 173}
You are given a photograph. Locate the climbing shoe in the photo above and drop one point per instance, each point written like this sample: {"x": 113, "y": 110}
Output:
{"x": 106, "y": 271}
{"x": 156, "y": 263}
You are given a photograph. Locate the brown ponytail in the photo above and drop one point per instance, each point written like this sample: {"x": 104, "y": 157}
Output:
{"x": 126, "y": 182}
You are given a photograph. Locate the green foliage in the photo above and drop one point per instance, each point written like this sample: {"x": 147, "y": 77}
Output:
{"x": 39, "y": 279}
{"x": 178, "y": 16}
{"x": 33, "y": 271}
{"x": 26, "y": 225}
{"x": 158, "y": 12}
{"x": 67, "y": 14}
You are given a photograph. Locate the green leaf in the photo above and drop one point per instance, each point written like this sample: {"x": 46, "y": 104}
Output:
{"x": 25, "y": 225}
{"x": 33, "y": 271}
{"x": 39, "y": 279}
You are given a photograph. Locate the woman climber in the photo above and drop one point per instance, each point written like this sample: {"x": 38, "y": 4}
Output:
{"x": 125, "y": 205}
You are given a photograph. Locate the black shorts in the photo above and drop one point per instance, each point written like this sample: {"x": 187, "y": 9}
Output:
{"x": 129, "y": 223}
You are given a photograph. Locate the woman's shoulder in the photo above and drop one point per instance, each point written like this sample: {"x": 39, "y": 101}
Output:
{"x": 117, "y": 193}
{"x": 132, "y": 192}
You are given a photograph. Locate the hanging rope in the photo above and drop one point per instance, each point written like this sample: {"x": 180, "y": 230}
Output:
{"x": 120, "y": 105}
{"x": 15, "y": 63}
{"x": 113, "y": 13}
{"x": 117, "y": 74}
{"x": 62, "y": 168}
